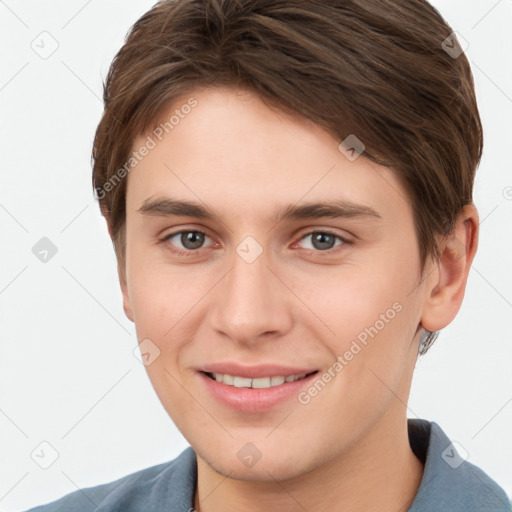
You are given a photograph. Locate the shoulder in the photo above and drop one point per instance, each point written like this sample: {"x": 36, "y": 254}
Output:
{"x": 450, "y": 481}
{"x": 168, "y": 486}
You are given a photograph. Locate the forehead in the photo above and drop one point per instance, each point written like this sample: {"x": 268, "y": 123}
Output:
{"x": 231, "y": 150}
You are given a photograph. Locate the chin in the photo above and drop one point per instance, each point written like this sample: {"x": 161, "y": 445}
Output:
{"x": 277, "y": 466}
{"x": 262, "y": 471}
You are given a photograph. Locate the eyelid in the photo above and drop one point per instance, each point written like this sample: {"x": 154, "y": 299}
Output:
{"x": 180, "y": 231}
{"x": 328, "y": 231}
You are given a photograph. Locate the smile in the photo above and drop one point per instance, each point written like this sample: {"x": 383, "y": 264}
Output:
{"x": 256, "y": 383}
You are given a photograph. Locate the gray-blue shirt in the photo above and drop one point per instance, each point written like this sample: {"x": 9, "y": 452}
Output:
{"x": 449, "y": 483}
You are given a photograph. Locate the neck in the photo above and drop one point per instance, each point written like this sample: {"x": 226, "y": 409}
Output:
{"x": 379, "y": 473}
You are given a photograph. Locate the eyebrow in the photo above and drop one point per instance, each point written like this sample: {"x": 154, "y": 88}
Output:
{"x": 167, "y": 206}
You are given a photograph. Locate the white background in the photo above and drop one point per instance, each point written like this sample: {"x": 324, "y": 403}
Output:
{"x": 68, "y": 375}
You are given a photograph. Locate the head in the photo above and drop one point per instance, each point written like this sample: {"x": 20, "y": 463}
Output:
{"x": 256, "y": 112}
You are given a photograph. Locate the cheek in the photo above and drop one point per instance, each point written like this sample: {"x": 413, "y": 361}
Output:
{"x": 372, "y": 320}
{"x": 351, "y": 299}
{"x": 168, "y": 304}
{"x": 163, "y": 310}
{"x": 370, "y": 314}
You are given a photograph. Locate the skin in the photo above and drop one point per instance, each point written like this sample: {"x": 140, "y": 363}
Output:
{"x": 296, "y": 304}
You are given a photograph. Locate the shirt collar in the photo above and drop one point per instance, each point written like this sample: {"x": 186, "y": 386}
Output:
{"x": 449, "y": 483}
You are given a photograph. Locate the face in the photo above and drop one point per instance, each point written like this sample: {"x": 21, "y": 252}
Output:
{"x": 256, "y": 250}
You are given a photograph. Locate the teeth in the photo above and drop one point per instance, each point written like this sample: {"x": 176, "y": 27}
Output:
{"x": 242, "y": 382}
{"x": 227, "y": 379}
{"x": 261, "y": 382}
{"x": 292, "y": 378}
{"x": 258, "y": 383}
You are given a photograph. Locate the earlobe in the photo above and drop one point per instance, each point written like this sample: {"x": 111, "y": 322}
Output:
{"x": 446, "y": 284}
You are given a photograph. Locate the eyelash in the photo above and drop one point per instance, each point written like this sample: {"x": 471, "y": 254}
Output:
{"x": 192, "y": 252}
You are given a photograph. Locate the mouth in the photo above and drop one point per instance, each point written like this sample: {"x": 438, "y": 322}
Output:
{"x": 256, "y": 383}
{"x": 254, "y": 389}
{"x": 254, "y": 395}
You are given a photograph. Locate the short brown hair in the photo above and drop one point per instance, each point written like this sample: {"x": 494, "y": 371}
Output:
{"x": 377, "y": 69}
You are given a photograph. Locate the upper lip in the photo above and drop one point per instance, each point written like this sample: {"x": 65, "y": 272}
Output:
{"x": 254, "y": 372}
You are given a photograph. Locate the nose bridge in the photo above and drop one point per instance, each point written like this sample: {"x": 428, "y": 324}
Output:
{"x": 250, "y": 301}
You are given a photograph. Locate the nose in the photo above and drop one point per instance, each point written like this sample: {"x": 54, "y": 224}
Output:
{"x": 251, "y": 302}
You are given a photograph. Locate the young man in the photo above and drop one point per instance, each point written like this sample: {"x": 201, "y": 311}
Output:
{"x": 288, "y": 186}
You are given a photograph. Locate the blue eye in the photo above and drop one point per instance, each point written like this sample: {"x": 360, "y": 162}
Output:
{"x": 190, "y": 239}
{"x": 189, "y": 242}
{"x": 323, "y": 240}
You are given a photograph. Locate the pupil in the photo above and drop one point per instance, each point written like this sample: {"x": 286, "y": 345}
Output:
{"x": 192, "y": 239}
{"x": 323, "y": 241}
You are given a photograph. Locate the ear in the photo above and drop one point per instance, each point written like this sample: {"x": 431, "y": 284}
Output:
{"x": 446, "y": 280}
{"x": 121, "y": 272}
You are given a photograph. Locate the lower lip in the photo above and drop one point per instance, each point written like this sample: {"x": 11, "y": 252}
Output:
{"x": 251, "y": 399}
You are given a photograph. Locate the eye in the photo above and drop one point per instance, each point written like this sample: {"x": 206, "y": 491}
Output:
{"x": 323, "y": 240}
{"x": 190, "y": 240}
